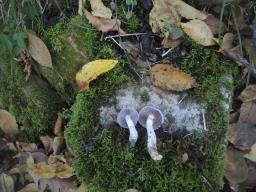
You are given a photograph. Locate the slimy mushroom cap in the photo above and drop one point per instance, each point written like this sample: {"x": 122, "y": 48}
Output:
{"x": 134, "y": 115}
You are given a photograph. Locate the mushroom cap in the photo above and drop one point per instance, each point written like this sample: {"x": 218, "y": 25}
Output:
{"x": 134, "y": 115}
{"x": 155, "y": 111}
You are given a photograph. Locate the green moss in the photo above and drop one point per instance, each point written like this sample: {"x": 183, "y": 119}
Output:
{"x": 113, "y": 166}
{"x": 145, "y": 97}
{"x": 73, "y": 43}
{"x": 33, "y": 103}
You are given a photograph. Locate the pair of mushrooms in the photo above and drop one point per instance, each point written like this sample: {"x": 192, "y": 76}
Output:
{"x": 149, "y": 117}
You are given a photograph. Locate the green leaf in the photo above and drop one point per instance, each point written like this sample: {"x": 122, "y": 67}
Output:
{"x": 167, "y": 24}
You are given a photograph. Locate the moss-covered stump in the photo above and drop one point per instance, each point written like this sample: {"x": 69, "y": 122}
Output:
{"x": 72, "y": 43}
{"x": 33, "y": 103}
{"x": 104, "y": 160}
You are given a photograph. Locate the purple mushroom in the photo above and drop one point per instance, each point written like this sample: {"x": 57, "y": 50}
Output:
{"x": 128, "y": 118}
{"x": 151, "y": 118}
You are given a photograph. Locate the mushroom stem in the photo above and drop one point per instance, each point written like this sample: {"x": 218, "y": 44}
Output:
{"x": 152, "y": 148}
{"x": 133, "y": 132}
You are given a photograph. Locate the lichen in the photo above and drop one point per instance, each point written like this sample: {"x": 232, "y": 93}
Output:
{"x": 113, "y": 166}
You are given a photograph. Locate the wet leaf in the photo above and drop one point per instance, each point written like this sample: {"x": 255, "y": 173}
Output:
{"x": 104, "y": 25}
{"x": 198, "y": 31}
{"x": 248, "y": 94}
{"x": 100, "y": 10}
{"x": 57, "y": 130}
{"x": 247, "y": 113}
{"x": 38, "y": 50}
{"x": 241, "y": 135}
{"x": 92, "y": 70}
{"x": 8, "y": 123}
{"x": 236, "y": 170}
{"x": 6, "y": 183}
{"x": 58, "y": 145}
{"x": 169, "y": 78}
{"x": 48, "y": 143}
{"x": 252, "y": 154}
{"x": 32, "y": 187}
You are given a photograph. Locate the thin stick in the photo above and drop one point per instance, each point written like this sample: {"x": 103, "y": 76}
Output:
{"x": 128, "y": 35}
{"x": 204, "y": 121}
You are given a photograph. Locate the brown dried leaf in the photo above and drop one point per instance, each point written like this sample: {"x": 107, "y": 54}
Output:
{"x": 32, "y": 187}
{"x": 213, "y": 23}
{"x": 57, "y": 130}
{"x": 198, "y": 31}
{"x": 48, "y": 143}
{"x": 252, "y": 154}
{"x": 100, "y": 10}
{"x": 64, "y": 171}
{"x": 6, "y": 183}
{"x": 236, "y": 170}
{"x": 248, "y": 94}
{"x": 169, "y": 78}
{"x": 38, "y": 50}
{"x": 247, "y": 44}
{"x": 44, "y": 171}
{"x": 241, "y": 135}
{"x": 168, "y": 42}
{"x": 186, "y": 10}
{"x": 104, "y": 25}
{"x": 58, "y": 145}
{"x": 8, "y": 123}
{"x": 53, "y": 159}
{"x": 29, "y": 147}
{"x": 247, "y": 113}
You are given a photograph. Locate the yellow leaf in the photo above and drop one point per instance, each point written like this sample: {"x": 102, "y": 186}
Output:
{"x": 44, "y": 171}
{"x": 38, "y": 50}
{"x": 32, "y": 187}
{"x": 199, "y": 31}
{"x": 64, "y": 171}
{"x": 100, "y": 10}
{"x": 8, "y": 123}
{"x": 252, "y": 154}
{"x": 30, "y": 162}
{"x": 92, "y": 70}
{"x": 169, "y": 78}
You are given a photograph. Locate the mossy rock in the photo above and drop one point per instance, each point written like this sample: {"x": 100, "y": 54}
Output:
{"x": 104, "y": 160}
{"x": 73, "y": 43}
{"x": 33, "y": 103}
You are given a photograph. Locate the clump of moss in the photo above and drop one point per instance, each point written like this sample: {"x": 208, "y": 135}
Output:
{"x": 33, "y": 103}
{"x": 113, "y": 166}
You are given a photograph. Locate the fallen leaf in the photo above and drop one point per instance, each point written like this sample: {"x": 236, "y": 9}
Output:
{"x": 48, "y": 143}
{"x": 252, "y": 154}
{"x": 53, "y": 159}
{"x": 236, "y": 170}
{"x": 6, "y": 183}
{"x": 169, "y": 78}
{"x": 22, "y": 146}
{"x": 131, "y": 190}
{"x": 58, "y": 145}
{"x": 161, "y": 13}
{"x": 168, "y": 42}
{"x": 198, "y": 31}
{"x": 8, "y": 123}
{"x": 100, "y": 10}
{"x": 63, "y": 185}
{"x": 38, "y": 50}
{"x": 25, "y": 60}
{"x": 248, "y": 45}
{"x": 213, "y": 24}
{"x": 92, "y": 70}
{"x": 241, "y": 135}
{"x": 248, "y": 94}
{"x": 247, "y": 113}
{"x": 186, "y": 10}
{"x": 227, "y": 41}
{"x": 64, "y": 171}
{"x": 32, "y": 187}
{"x": 171, "y": 12}
{"x": 104, "y": 25}
{"x": 57, "y": 130}
{"x": 251, "y": 179}
{"x": 44, "y": 171}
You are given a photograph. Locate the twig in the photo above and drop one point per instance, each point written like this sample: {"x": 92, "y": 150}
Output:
{"x": 204, "y": 121}
{"x": 127, "y": 35}
{"x": 167, "y": 52}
